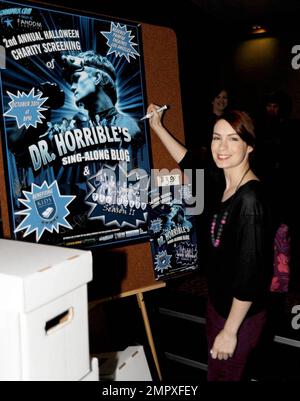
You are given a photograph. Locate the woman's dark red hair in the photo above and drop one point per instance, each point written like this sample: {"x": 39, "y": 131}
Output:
{"x": 242, "y": 124}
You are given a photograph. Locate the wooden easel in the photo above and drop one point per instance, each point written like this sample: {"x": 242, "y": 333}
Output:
{"x": 141, "y": 302}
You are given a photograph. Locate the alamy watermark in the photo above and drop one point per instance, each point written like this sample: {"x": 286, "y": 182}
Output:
{"x": 2, "y": 57}
{"x": 137, "y": 189}
{"x": 295, "y": 62}
{"x": 296, "y": 319}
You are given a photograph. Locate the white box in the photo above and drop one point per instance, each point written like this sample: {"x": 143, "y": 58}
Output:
{"x": 93, "y": 376}
{"x": 43, "y": 312}
{"x": 128, "y": 365}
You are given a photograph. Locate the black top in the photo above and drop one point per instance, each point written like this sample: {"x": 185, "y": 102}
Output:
{"x": 242, "y": 265}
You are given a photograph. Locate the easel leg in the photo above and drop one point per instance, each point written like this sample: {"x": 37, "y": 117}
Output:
{"x": 142, "y": 305}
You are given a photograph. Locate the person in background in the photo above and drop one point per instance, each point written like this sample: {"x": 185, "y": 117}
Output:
{"x": 218, "y": 103}
{"x": 241, "y": 243}
{"x": 275, "y": 133}
{"x": 277, "y": 164}
{"x": 272, "y": 126}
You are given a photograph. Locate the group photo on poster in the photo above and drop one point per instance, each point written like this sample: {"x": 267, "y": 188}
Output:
{"x": 76, "y": 150}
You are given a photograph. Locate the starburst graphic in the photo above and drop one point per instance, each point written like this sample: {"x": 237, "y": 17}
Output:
{"x": 156, "y": 225}
{"x": 8, "y": 22}
{"x": 162, "y": 261}
{"x": 26, "y": 109}
{"x": 119, "y": 40}
{"x": 46, "y": 210}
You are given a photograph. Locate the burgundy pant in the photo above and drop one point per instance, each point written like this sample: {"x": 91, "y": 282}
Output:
{"x": 248, "y": 335}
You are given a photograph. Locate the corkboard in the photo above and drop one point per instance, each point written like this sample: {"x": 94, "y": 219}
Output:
{"x": 130, "y": 268}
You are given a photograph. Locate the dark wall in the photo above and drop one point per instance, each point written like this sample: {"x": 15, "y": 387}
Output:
{"x": 218, "y": 48}
{"x": 259, "y": 65}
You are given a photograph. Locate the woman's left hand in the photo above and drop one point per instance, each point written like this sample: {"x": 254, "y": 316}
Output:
{"x": 224, "y": 345}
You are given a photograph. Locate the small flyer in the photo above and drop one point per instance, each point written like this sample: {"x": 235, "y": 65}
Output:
{"x": 172, "y": 233}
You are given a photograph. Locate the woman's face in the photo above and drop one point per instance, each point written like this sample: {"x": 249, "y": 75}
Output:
{"x": 220, "y": 102}
{"x": 227, "y": 147}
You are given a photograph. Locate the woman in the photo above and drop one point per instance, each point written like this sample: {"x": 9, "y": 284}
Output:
{"x": 218, "y": 105}
{"x": 219, "y": 102}
{"x": 240, "y": 262}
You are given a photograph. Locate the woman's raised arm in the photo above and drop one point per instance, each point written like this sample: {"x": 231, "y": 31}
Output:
{"x": 175, "y": 148}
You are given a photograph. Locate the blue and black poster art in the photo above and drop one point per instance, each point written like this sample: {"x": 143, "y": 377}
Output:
{"x": 172, "y": 233}
{"x": 76, "y": 153}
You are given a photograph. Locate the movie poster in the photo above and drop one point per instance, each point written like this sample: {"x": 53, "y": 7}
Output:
{"x": 172, "y": 231}
{"x": 76, "y": 151}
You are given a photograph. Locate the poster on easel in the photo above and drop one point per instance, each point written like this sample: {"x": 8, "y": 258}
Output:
{"x": 172, "y": 230}
{"x": 76, "y": 153}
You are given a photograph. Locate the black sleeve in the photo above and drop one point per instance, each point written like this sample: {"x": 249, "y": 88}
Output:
{"x": 253, "y": 259}
{"x": 189, "y": 161}
{"x": 197, "y": 158}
